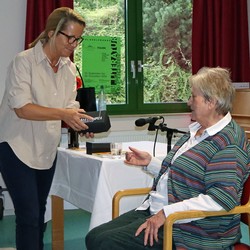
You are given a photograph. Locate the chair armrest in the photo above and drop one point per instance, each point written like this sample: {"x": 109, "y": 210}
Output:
{"x": 126, "y": 192}
{"x": 168, "y": 225}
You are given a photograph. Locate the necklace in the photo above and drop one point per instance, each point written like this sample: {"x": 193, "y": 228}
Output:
{"x": 51, "y": 62}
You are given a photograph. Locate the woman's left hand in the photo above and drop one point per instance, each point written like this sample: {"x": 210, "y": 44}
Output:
{"x": 151, "y": 227}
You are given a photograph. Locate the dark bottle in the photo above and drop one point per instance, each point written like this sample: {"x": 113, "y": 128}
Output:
{"x": 73, "y": 138}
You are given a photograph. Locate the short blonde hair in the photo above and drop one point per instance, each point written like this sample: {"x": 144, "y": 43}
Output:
{"x": 215, "y": 84}
{"x": 57, "y": 21}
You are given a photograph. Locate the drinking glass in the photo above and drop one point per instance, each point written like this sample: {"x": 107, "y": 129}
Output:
{"x": 116, "y": 149}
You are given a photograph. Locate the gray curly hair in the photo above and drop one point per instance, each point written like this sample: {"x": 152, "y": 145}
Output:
{"x": 215, "y": 84}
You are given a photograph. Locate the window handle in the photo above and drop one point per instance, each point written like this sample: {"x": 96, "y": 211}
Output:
{"x": 132, "y": 64}
{"x": 140, "y": 66}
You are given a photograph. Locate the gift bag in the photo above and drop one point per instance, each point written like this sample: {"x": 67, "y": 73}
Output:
{"x": 86, "y": 96}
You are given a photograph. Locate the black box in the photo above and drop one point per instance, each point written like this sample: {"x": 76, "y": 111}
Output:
{"x": 101, "y": 122}
{"x": 92, "y": 147}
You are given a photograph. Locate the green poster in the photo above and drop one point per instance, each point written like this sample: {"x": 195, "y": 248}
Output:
{"x": 101, "y": 62}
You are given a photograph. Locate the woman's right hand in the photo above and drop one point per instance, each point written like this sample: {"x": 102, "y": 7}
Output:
{"x": 73, "y": 118}
{"x": 137, "y": 157}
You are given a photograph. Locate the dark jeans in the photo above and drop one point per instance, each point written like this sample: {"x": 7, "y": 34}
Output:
{"x": 29, "y": 189}
{"x": 119, "y": 234}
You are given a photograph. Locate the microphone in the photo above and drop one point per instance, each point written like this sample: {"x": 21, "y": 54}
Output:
{"x": 151, "y": 120}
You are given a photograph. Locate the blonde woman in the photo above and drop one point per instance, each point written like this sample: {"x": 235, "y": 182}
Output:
{"x": 40, "y": 93}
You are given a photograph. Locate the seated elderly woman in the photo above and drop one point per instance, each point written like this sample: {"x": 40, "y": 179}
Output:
{"x": 205, "y": 170}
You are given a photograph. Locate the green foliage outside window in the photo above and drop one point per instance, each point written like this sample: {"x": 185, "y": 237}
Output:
{"x": 166, "y": 44}
{"x": 103, "y": 18}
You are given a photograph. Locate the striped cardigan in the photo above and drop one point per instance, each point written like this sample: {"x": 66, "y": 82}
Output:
{"x": 218, "y": 166}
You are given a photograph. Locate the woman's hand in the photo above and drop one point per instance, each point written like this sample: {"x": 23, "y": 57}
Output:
{"x": 151, "y": 227}
{"x": 87, "y": 135}
{"x": 73, "y": 118}
{"x": 137, "y": 157}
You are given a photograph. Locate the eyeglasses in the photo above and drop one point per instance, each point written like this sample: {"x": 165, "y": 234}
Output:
{"x": 72, "y": 39}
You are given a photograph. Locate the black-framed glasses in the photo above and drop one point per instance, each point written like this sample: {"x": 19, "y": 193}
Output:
{"x": 72, "y": 39}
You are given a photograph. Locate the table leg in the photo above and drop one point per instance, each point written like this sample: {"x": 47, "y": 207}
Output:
{"x": 57, "y": 223}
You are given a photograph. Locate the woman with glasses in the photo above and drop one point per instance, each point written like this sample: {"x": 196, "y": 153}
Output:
{"x": 40, "y": 93}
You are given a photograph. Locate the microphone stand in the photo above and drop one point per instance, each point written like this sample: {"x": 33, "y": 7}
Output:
{"x": 170, "y": 131}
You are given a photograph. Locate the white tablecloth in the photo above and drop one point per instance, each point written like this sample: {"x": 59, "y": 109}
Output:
{"x": 90, "y": 181}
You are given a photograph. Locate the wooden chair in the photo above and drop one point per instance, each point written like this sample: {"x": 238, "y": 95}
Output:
{"x": 243, "y": 209}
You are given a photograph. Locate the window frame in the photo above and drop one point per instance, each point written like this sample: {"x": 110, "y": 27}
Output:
{"x": 133, "y": 20}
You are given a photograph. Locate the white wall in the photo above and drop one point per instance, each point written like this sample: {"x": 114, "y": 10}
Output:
{"x": 12, "y": 19}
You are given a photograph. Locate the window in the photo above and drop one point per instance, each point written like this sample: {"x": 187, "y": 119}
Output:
{"x": 155, "y": 53}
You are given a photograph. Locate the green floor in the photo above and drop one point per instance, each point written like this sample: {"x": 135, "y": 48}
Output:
{"x": 76, "y": 227}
